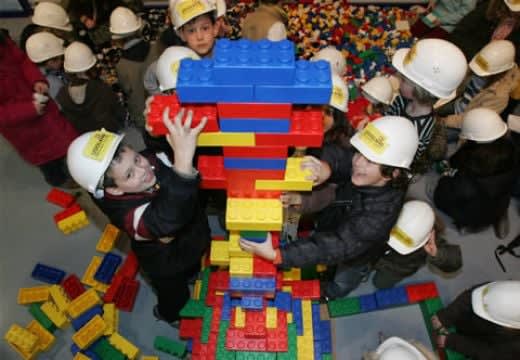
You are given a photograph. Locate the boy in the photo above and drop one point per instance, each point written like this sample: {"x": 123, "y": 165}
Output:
{"x": 357, "y": 216}
{"x": 154, "y": 201}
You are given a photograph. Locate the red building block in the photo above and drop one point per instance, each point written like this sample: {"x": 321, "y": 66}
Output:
{"x": 306, "y": 289}
{"x": 254, "y": 110}
{"x": 241, "y": 183}
{"x": 60, "y": 198}
{"x": 215, "y": 319}
{"x": 420, "y": 292}
{"x": 255, "y": 324}
{"x": 130, "y": 266}
{"x": 73, "y": 209}
{"x": 256, "y": 152}
{"x": 219, "y": 280}
{"x": 73, "y": 286}
{"x": 275, "y": 238}
{"x": 277, "y": 339}
{"x": 212, "y": 172}
{"x": 126, "y": 294}
{"x": 110, "y": 295}
{"x": 262, "y": 267}
{"x": 279, "y": 281}
{"x": 190, "y": 328}
{"x": 236, "y": 340}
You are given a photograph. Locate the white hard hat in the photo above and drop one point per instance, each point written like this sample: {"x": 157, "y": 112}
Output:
{"x": 380, "y": 89}
{"x": 334, "y": 57}
{"x": 498, "y": 302}
{"x": 277, "y": 32}
{"x": 395, "y": 348}
{"x": 89, "y": 156}
{"x": 78, "y": 58}
{"x": 413, "y": 227}
{"x": 513, "y": 123}
{"x": 43, "y": 46}
{"x": 339, "y": 96}
{"x": 51, "y": 15}
{"x": 182, "y": 11}
{"x": 436, "y": 65}
{"x": 496, "y": 57}
{"x": 220, "y": 5}
{"x": 513, "y": 5}
{"x": 482, "y": 125}
{"x": 168, "y": 65}
{"x": 124, "y": 22}
{"x": 388, "y": 140}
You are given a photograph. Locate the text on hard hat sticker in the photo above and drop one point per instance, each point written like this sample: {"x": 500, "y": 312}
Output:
{"x": 98, "y": 145}
{"x": 481, "y": 62}
{"x": 174, "y": 68}
{"x": 189, "y": 9}
{"x": 374, "y": 139}
{"x": 338, "y": 96}
{"x": 401, "y": 236}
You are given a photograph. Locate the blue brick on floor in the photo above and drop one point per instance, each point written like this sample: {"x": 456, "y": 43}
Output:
{"x": 391, "y": 297}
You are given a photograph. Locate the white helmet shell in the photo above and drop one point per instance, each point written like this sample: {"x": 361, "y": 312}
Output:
{"x": 395, "y": 348}
{"x": 78, "y": 58}
{"x": 43, "y": 46}
{"x": 513, "y": 5}
{"x": 334, "y": 57}
{"x": 123, "y": 22}
{"x": 498, "y": 302}
{"x": 496, "y": 57}
{"x": 51, "y": 15}
{"x": 168, "y": 65}
{"x": 380, "y": 89}
{"x": 182, "y": 11}
{"x": 339, "y": 96}
{"x": 482, "y": 125}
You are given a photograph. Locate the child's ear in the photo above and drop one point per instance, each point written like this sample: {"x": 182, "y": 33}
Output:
{"x": 114, "y": 191}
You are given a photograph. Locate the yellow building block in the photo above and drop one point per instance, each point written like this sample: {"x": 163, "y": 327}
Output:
{"x": 59, "y": 297}
{"x": 90, "y": 332}
{"x": 321, "y": 268}
{"x": 234, "y": 247}
{"x": 123, "y": 345}
{"x": 196, "y": 290}
{"x": 305, "y": 348}
{"x": 108, "y": 239}
{"x": 241, "y": 267}
{"x": 45, "y": 338}
{"x": 149, "y": 357}
{"x": 220, "y": 293}
{"x": 219, "y": 254}
{"x": 292, "y": 274}
{"x": 26, "y": 355}
{"x": 83, "y": 302}
{"x": 295, "y": 175}
{"x": 226, "y": 139}
{"x": 307, "y": 319}
{"x": 287, "y": 288}
{"x": 289, "y": 318}
{"x": 80, "y": 356}
{"x": 74, "y": 222}
{"x": 254, "y": 214}
{"x": 88, "y": 276}
{"x": 271, "y": 318}
{"x": 33, "y": 294}
{"x": 111, "y": 318}
{"x": 21, "y": 338}
{"x": 283, "y": 185}
{"x": 57, "y": 317}
{"x": 240, "y": 317}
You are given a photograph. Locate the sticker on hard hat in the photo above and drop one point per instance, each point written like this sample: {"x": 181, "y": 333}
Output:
{"x": 480, "y": 61}
{"x": 99, "y": 144}
{"x": 338, "y": 96}
{"x": 410, "y": 55}
{"x": 189, "y": 9}
{"x": 374, "y": 139}
{"x": 401, "y": 236}
{"x": 174, "y": 68}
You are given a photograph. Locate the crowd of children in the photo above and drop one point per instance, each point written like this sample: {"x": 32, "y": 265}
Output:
{"x": 52, "y": 99}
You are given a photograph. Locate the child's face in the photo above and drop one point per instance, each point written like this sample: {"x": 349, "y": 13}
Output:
{"x": 55, "y": 63}
{"x": 200, "y": 35}
{"x": 366, "y": 172}
{"x": 88, "y": 22}
{"x": 406, "y": 88}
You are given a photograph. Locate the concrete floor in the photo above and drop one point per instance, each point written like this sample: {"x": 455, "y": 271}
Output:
{"x": 30, "y": 236}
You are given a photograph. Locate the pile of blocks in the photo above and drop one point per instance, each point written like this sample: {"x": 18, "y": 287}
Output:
{"x": 72, "y": 217}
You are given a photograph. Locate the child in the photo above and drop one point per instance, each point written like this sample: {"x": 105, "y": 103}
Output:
{"x": 268, "y": 21}
{"x": 477, "y": 189}
{"x": 379, "y": 92}
{"x": 486, "y": 318}
{"x": 86, "y": 101}
{"x": 415, "y": 241}
{"x": 154, "y": 201}
{"x": 46, "y": 51}
{"x": 357, "y": 216}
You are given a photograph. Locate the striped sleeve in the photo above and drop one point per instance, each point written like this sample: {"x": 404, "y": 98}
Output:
{"x": 397, "y": 108}
{"x": 473, "y": 87}
{"x": 424, "y": 127}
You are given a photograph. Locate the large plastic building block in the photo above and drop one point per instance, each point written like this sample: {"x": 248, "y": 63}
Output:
{"x": 212, "y": 172}
{"x": 130, "y": 266}
{"x": 241, "y": 266}
{"x": 234, "y": 246}
{"x": 242, "y": 62}
{"x": 89, "y": 333}
{"x": 45, "y": 338}
{"x": 453, "y": 355}
{"x": 239, "y": 317}
{"x": 391, "y": 297}
{"x": 291, "y": 352}
{"x": 88, "y": 276}
{"x": 104, "y": 350}
{"x": 255, "y": 355}
{"x": 60, "y": 198}
{"x": 226, "y": 139}
{"x": 420, "y": 292}
{"x": 306, "y": 289}
{"x": 256, "y": 236}
{"x": 83, "y": 303}
{"x": 271, "y": 316}
{"x": 168, "y": 346}
{"x": 283, "y": 185}
{"x": 256, "y": 152}
{"x": 344, "y": 307}
{"x": 111, "y": 293}
{"x": 292, "y": 274}
{"x": 254, "y": 164}
{"x": 326, "y": 336}
{"x": 26, "y": 355}
{"x": 80, "y": 356}
{"x": 265, "y": 286}
{"x": 149, "y": 357}
{"x": 294, "y": 173}
{"x": 263, "y": 268}
{"x": 108, "y": 238}
{"x": 193, "y": 308}
{"x": 241, "y": 184}
{"x": 127, "y": 294}
{"x": 73, "y": 223}
{"x": 154, "y": 118}
{"x": 107, "y": 268}
{"x": 254, "y": 110}
{"x": 68, "y": 212}
{"x": 282, "y": 301}
{"x": 306, "y": 130}
{"x": 219, "y": 253}
{"x": 72, "y": 286}
{"x": 59, "y": 297}
{"x": 84, "y": 318}
{"x": 123, "y": 345}
{"x": 54, "y": 314}
{"x": 47, "y": 274}
{"x": 266, "y": 126}
{"x": 206, "y": 325}
{"x": 368, "y": 302}
{"x": 196, "y": 84}
{"x": 190, "y": 328}
{"x": 429, "y": 307}
{"x": 21, "y": 338}
{"x": 252, "y": 302}
{"x": 219, "y": 280}
{"x": 253, "y": 214}
{"x": 236, "y": 340}
{"x": 39, "y": 315}
{"x": 34, "y": 294}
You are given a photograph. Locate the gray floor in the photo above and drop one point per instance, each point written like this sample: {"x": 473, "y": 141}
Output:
{"x": 30, "y": 236}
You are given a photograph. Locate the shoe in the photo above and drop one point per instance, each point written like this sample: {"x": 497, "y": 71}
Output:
{"x": 175, "y": 324}
{"x": 501, "y": 226}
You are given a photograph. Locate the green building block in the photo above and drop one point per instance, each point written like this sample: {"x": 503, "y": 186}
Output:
{"x": 106, "y": 351}
{"x": 453, "y": 355}
{"x": 222, "y": 352}
{"x": 253, "y": 234}
{"x": 344, "y": 307}
{"x": 292, "y": 350}
{"x": 254, "y": 355}
{"x": 193, "y": 308}
{"x": 39, "y": 315}
{"x": 206, "y": 325}
{"x": 326, "y": 356}
{"x": 169, "y": 346}
{"x": 204, "y": 283}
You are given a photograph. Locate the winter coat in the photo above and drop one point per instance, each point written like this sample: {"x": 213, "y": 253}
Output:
{"x": 450, "y": 12}
{"x": 354, "y": 227}
{"x": 476, "y": 337}
{"x": 37, "y": 138}
{"x": 172, "y": 210}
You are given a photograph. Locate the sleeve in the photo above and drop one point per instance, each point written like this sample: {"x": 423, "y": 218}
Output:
{"x": 318, "y": 199}
{"x": 339, "y": 159}
{"x": 14, "y": 114}
{"x": 458, "y": 309}
{"x": 424, "y": 130}
{"x": 150, "y": 81}
{"x": 397, "y": 107}
{"x": 30, "y": 71}
{"x": 449, "y": 257}
{"x": 477, "y": 349}
{"x": 453, "y": 121}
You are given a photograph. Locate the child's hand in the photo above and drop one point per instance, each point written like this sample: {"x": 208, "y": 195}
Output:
{"x": 39, "y": 107}
{"x": 320, "y": 170}
{"x": 431, "y": 247}
{"x": 41, "y": 87}
{"x": 264, "y": 249}
{"x": 291, "y": 199}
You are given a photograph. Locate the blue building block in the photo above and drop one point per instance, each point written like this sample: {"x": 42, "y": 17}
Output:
{"x": 252, "y": 302}
{"x": 254, "y": 164}
{"x": 368, "y": 303}
{"x": 326, "y": 336}
{"x": 297, "y": 315}
{"x": 252, "y": 285}
{"x": 317, "y": 349}
{"x": 84, "y": 318}
{"x": 107, "y": 268}
{"x": 254, "y": 62}
{"x": 92, "y": 355}
{"x": 270, "y": 303}
{"x": 189, "y": 345}
{"x": 74, "y": 349}
{"x": 226, "y": 307}
{"x": 282, "y": 300}
{"x": 235, "y": 302}
{"x": 47, "y": 274}
{"x": 312, "y": 85}
{"x": 195, "y": 83}
{"x": 391, "y": 297}
{"x": 255, "y": 125}
{"x": 316, "y": 324}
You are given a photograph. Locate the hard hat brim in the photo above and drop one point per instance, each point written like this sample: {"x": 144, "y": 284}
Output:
{"x": 395, "y": 244}
{"x": 67, "y": 27}
{"x": 393, "y": 341}
{"x": 119, "y": 35}
{"x": 486, "y": 140}
{"x": 479, "y": 308}
{"x": 475, "y": 67}
{"x": 512, "y": 7}
{"x": 77, "y": 70}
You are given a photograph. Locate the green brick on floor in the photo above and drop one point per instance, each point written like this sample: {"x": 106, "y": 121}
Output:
{"x": 344, "y": 307}
{"x": 429, "y": 307}
{"x": 453, "y": 355}
{"x": 39, "y": 315}
{"x": 106, "y": 351}
{"x": 193, "y": 308}
{"x": 169, "y": 346}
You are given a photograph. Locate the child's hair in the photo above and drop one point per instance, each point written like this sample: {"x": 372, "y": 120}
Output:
{"x": 341, "y": 130}
{"x": 400, "y": 181}
{"x": 423, "y": 96}
{"x": 107, "y": 180}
